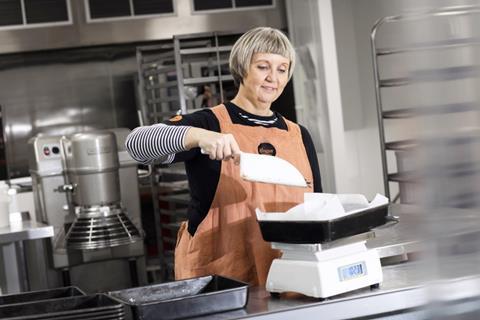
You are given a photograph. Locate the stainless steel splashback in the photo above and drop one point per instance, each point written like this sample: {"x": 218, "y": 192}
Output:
{"x": 62, "y": 92}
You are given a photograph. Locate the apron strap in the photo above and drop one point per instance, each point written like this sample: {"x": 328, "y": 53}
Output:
{"x": 222, "y": 114}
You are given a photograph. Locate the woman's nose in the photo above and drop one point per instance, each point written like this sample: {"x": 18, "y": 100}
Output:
{"x": 271, "y": 76}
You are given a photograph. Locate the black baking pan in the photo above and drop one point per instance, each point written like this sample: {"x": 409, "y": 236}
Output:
{"x": 323, "y": 231}
{"x": 184, "y": 298}
{"x": 96, "y": 307}
{"x": 30, "y": 296}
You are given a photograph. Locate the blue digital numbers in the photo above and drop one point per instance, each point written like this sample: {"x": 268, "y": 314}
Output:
{"x": 352, "y": 271}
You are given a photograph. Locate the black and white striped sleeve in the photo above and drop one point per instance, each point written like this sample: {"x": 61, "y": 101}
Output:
{"x": 156, "y": 142}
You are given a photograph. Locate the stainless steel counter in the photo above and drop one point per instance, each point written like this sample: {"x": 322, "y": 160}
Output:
{"x": 404, "y": 292}
{"x": 416, "y": 229}
{"x": 400, "y": 290}
{"x": 25, "y": 230}
{"x": 398, "y": 238}
{"x": 13, "y": 276}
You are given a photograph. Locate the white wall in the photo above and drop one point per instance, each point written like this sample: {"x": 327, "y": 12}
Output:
{"x": 320, "y": 97}
{"x": 309, "y": 85}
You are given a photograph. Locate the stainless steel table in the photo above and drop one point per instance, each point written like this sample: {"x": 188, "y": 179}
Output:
{"x": 415, "y": 227}
{"x": 13, "y": 276}
{"x": 405, "y": 291}
{"x": 400, "y": 290}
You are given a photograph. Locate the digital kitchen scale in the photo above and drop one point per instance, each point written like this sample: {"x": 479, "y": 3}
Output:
{"x": 324, "y": 258}
{"x": 324, "y": 270}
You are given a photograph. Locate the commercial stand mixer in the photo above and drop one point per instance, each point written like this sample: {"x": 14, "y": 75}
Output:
{"x": 86, "y": 186}
{"x": 91, "y": 163}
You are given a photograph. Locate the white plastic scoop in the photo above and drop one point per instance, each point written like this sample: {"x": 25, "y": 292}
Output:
{"x": 269, "y": 169}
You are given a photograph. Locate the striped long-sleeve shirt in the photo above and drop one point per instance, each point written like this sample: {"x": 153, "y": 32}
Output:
{"x": 156, "y": 142}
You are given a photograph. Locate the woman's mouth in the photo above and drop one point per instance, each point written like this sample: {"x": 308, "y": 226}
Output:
{"x": 269, "y": 89}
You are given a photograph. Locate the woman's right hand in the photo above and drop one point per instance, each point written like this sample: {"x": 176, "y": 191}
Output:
{"x": 217, "y": 146}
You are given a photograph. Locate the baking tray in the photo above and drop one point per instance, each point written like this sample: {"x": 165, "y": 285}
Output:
{"x": 97, "y": 306}
{"x": 323, "y": 231}
{"x": 48, "y": 294}
{"x": 184, "y": 298}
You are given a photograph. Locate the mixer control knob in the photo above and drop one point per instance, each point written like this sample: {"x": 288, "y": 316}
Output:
{"x": 66, "y": 188}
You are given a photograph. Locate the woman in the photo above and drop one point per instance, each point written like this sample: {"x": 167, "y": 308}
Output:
{"x": 222, "y": 235}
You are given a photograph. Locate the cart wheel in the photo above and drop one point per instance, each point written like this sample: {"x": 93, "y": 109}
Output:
{"x": 375, "y": 286}
{"x": 275, "y": 295}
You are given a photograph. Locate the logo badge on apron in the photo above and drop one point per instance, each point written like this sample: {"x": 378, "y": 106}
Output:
{"x": 267, "y": 149}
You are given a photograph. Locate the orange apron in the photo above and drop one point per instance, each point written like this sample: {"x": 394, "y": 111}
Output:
{"x": 228, "y": 241}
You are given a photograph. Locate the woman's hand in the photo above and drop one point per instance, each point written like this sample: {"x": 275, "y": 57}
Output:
{"x": 217, "y": 146}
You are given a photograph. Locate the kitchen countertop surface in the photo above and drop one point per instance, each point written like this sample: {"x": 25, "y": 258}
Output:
{"x": 404, "y": 287}
{"x": 401, "y": 289}
{"x": 14, "y": 276}
{"x": 25, "y": 230}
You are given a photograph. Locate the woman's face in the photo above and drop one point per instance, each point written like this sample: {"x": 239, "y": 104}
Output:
{"x": 266, "y": 78}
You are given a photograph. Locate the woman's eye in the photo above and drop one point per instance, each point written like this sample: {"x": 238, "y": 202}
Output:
{"x": 282, "y": 70}
{"x": 262, "y": 67}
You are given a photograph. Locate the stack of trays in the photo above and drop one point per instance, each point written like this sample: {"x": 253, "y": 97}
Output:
{"x": 184, "y": 298}
{"x": 98, "y": 307}
{"x": 48, "y": 294}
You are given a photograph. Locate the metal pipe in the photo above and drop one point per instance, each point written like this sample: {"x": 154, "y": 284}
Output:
{"x": 219, "y": 69}
{"x": 179, "y": 67}
{"x": 378, "y": 99}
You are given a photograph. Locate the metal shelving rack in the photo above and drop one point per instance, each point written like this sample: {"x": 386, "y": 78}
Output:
{"x": 434, "y": 76}
{"x": 170, "y": 75}
{"x": 202, "y": 61}
{"x": 173, "y": 79}
{"x": 157, "y": 86}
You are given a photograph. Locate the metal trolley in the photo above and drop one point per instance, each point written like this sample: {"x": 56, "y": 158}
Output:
{"x": 418, "y": 40}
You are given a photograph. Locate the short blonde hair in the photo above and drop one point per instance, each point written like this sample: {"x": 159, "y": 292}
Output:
{"x": 259, "y": 40}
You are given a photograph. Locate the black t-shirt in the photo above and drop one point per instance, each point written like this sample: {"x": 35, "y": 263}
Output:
{"x": 203, "y": 173}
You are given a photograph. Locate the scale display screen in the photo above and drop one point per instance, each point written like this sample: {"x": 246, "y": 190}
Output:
{"x": 352, "y": 271}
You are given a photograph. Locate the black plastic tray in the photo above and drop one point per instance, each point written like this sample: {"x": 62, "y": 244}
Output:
{"x": 48, "y": 294}
{"x": 323, "y": 231}
{"x": 97, "y": 306}
{"x": 184, "y": 298}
